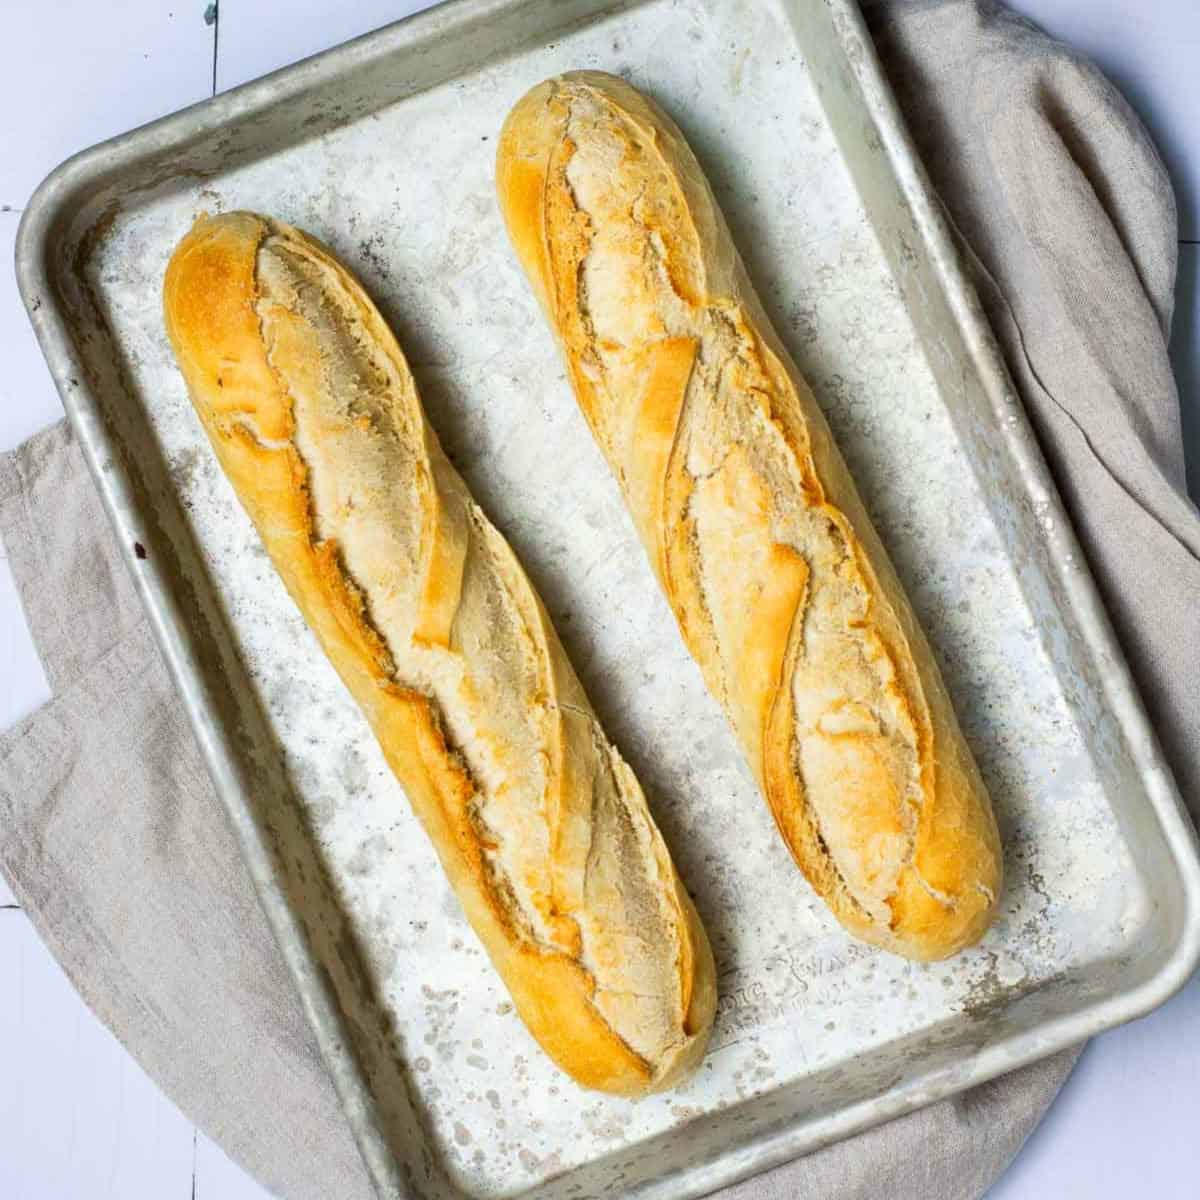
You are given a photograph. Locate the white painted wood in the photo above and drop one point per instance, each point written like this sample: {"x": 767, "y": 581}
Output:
{"x": 1124, "y": 1124}
{"x": 255, "y": 37}
{"x": 78, "y": 1117}
{"x": 76, "y": 72}
{"x": 218, "y": 1178}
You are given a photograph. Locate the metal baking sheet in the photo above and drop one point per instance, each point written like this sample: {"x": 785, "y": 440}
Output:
{"x": 384, "y": 149}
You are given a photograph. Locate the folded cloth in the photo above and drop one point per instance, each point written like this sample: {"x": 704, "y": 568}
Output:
{"x": 113, "y": 841}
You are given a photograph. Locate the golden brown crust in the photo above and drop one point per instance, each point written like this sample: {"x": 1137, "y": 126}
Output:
{"x": 753, "y": 525}
{"x": 421, "y": 606}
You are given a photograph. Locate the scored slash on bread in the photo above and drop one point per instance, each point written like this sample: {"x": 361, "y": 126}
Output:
{"x": 436, "y": 631}
{"x": 779, "y": 583}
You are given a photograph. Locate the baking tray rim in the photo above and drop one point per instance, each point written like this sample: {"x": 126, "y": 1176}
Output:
{"x": 70, "y": 186}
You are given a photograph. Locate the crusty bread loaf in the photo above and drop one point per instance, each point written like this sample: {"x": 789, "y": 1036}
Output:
{"x": 780, "y": 585}
{"x": 431, "y": 623}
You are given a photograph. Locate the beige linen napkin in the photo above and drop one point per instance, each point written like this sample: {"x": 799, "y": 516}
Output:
{"x": 113, "y": 841}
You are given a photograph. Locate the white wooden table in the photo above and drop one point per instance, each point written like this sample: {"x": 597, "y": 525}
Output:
{"x": 77, "y": 1115}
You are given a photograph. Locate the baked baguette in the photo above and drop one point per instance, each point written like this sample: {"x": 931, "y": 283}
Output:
{"x": 431, "y": 623}
{"x": 780, "y": 585}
